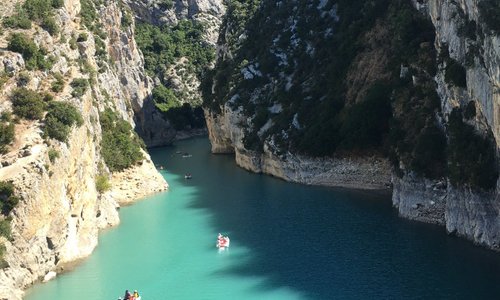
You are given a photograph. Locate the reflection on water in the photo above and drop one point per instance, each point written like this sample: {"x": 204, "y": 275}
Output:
{"x": 288, "y": 241}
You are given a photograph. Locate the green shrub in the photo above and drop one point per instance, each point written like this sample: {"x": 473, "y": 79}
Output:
{"x": 471, "y": 157}
{"x": 3, "y": 263}
{"x": 49, "y": 24}
{"x": 82, "y": 37}
{"x": 470, "y": 110}
{"x": 23, "y": 79}
{"x": 166, "y": 4}
{"x": 21, "y": 43}
{"x": 72, "y": 43}
{"x": 4, "y": 231}
{"x": 27, "y": 104}
{"x": 79, "y": 86}
{"x": 19, "y": 20}
{"x": 164, "y": 98}
{"x": 58, "y": 84}
{"x": 100, "y": 48}
{"x": 367, "y": 122}
{"x": 59, "y": 119}
{"x": 455, "y": 74}
{"x": 162, "y": 46}
{"x": 127, "y": 19}
{"x": 429, "y": 153}
{"x": 33, "y": 56}
{"x": 102, "y": 183}
{"x": 88, "y": 13}
{"x": 7, "y": 135}
{"x": 38, "y": 9}
{"x": 4, "y": 77}
{"x": 489, "y": 11}
{"x": 120, "y": 147}
{"x": 8, "y": 199}
{"x": 53, "y": 155}
{"x": 57, "y": 3}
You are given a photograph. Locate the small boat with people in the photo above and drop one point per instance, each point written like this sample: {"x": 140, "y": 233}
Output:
{"x": 188, "y": 176}
{"x": 222, "y": 242}
{"x": 130, "y": 296}
{"x": 185, "y": 155}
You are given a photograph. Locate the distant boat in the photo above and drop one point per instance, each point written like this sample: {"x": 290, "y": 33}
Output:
{"x": 188, "y": 176}
{"x": 222, "y": 242}
{"x": 184, "y": 155}
{"x": 178, "y": 152}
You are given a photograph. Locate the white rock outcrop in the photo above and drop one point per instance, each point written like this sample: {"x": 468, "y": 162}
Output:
{"x": 60, "y": 213}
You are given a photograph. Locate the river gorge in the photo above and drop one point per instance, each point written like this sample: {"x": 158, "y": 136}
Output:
{"x": 288, "y": 241}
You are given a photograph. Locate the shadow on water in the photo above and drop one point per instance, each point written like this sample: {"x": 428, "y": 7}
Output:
{"x": 328, "y": 243}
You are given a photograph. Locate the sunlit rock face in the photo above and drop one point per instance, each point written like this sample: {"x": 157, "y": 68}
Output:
{"x": 60, "y": 213}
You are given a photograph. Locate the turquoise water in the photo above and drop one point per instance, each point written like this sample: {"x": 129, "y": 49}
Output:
{"x": 288, "y": 241}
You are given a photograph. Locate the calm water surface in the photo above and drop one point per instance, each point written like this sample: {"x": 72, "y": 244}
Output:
{"x": 288, "y": 241}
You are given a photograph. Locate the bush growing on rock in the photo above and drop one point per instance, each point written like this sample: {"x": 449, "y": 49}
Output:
{"x": 102, "y": 183}
{"x": 7, "y": 198}
{"x": 489, "y": 11}
{"x": 21, "y": 43}
{"x": 27, "y": 104}
{"x": 455, "y": 74}
{"x": 79, "y": 86}
{"x": 23, "y": 79}
{"x": 18, "y": 20}
{"x": 3, "y": 263}
{"x": 120, "y": 146}
{"x": 49, "y": 24}
{"x": 57, "y": 85}
{"x": 33, "y": 56}
{"x": 53, "y": 155}
{"x": 59, "y": 119}
{"x": 471, "y": 157}
{"x": 7, "y": 135}
{"x": 164, "y": 98}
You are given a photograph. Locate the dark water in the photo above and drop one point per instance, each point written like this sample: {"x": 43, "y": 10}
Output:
{"x": 288, "y": 241}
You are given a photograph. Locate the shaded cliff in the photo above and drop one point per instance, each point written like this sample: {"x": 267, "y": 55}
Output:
{"x": 85, "y": 66}
{"x": 178, "y": 41}
{"x": 347, "y": 92}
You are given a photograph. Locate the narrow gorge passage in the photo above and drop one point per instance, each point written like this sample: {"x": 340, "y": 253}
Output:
{"x": 288, "y": 241}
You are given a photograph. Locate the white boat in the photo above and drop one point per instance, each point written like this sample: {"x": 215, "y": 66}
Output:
{"x": 222, "y": 242}
{"x": 188, "y": 176}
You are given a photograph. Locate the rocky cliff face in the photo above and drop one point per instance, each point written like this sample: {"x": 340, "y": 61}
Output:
{"x": 61, "y": 210}
{"x": 156, "y": 129}
{"x": 474, "y": 215}
{"x": 259, "y": 104}
{"x": 226, "y": 136}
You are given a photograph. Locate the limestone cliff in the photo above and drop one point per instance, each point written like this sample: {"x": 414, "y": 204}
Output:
{"x": 226, "y": 136}
{"x": 61, "y": 209}
{"x": 292, "y": 96}
{"x": 465, "y": 212}
{"x": 178, "y": 75}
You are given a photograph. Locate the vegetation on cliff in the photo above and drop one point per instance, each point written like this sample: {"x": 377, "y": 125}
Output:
{"x": 471, "y": 156}
{"x": 8, "y": 200}
{"x": 61, "y": 116}
{"x": 120, "y": 145}
{"x": 39, "y": 11}
{"x": 350, "y": 77}
{"x": 34, "y": 57}
{"x": 164, "y": 47}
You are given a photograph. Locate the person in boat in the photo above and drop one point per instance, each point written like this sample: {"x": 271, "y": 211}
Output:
{"x": 136, "y": 295}
{"x": 127, "y": 295}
